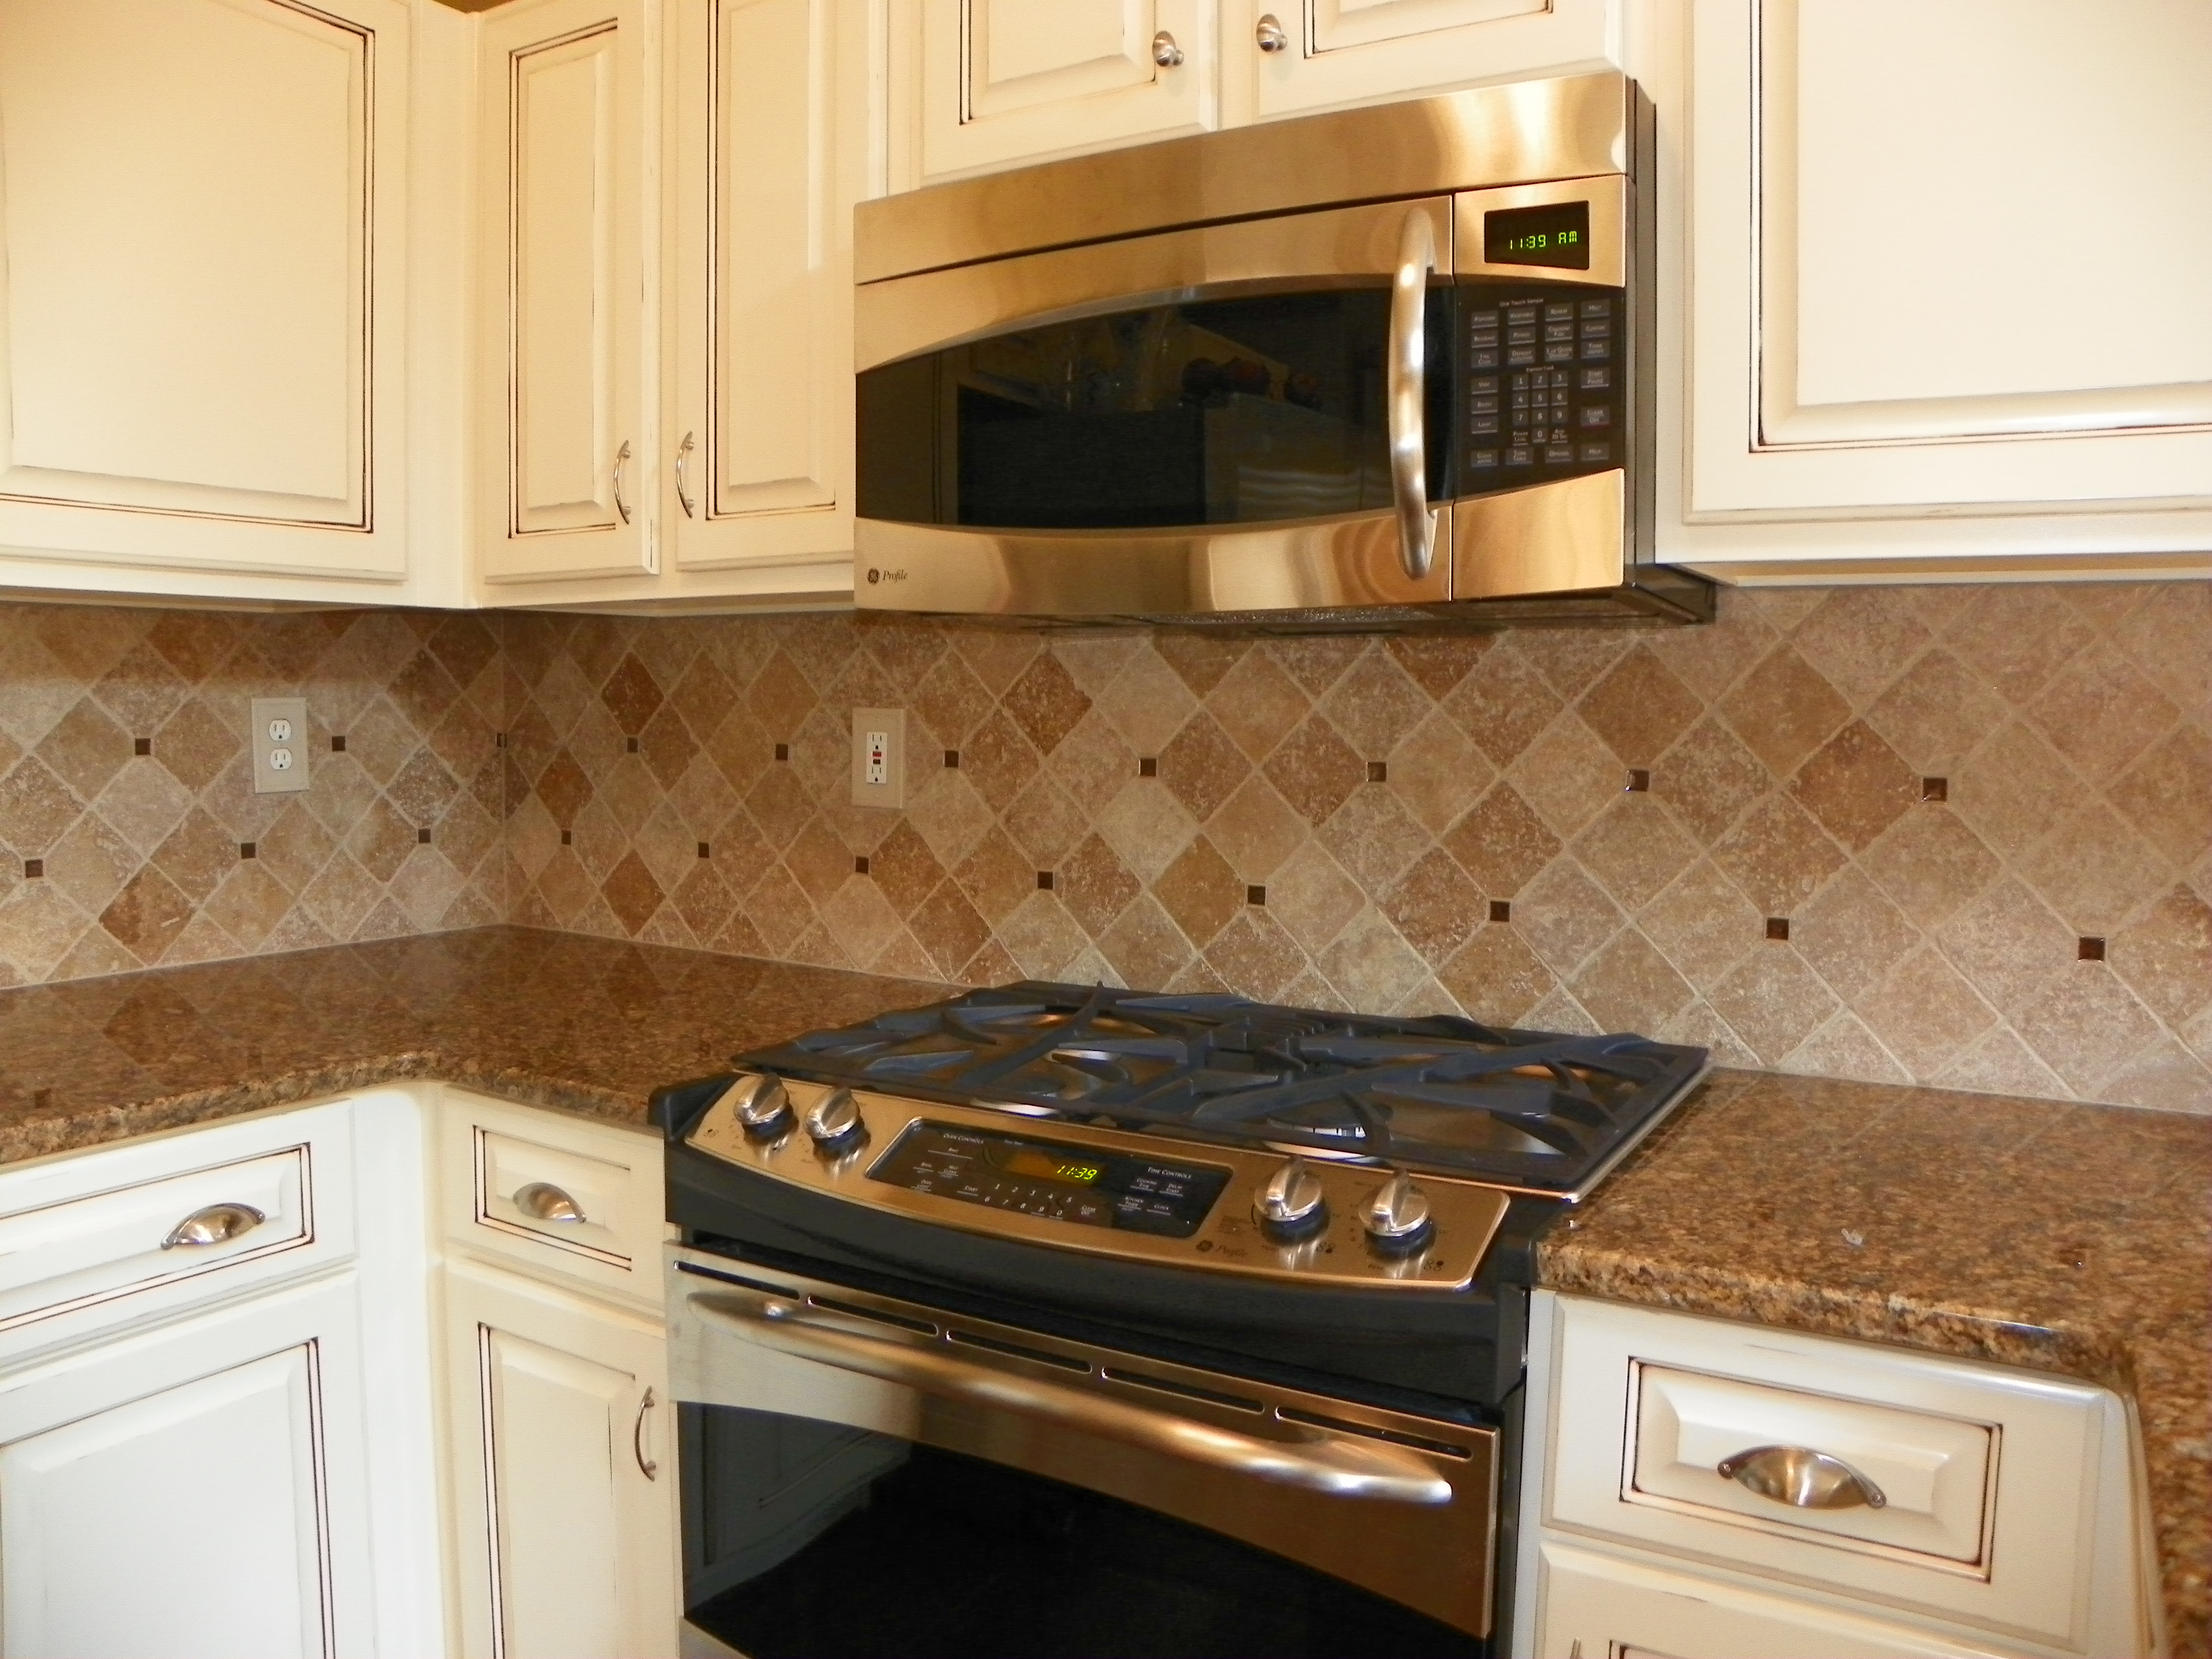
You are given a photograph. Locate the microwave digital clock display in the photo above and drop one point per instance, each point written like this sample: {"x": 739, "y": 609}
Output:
{"x": 1556, "y": 234}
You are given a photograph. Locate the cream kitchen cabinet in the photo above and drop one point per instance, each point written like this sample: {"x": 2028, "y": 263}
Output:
{"x": 1942, "y": 289}
{"x": 212, "y": 274}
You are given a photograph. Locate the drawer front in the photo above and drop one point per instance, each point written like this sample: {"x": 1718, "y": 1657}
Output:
{"x": 559, "y": 1196}
{"x": 1987, "y": 1477}
{"x": 130, "y": 1231}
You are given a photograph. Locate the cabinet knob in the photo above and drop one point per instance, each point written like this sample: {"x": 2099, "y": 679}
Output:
{"x": 1165, "y": 52}
{"x": 1801, "y": 1478}
{"x": 546, "y": 1202}
{"x": 218, "y": 1223}
{"x": 1269, "y": 32}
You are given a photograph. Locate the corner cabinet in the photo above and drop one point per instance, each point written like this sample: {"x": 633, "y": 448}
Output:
{"x": 1945, "y": 290}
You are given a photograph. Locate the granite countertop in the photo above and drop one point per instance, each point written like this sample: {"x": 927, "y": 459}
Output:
{"x": 2069, "y": 1238}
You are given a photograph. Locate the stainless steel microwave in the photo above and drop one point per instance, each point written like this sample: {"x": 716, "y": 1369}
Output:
{"x": 1384, "y": 368}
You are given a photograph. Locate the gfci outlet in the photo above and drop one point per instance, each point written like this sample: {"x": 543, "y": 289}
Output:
{"x": 879, "y": 758}
{"x": 280, "y": 745}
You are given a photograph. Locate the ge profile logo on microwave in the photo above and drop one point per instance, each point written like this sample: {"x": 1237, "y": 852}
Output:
{"x": 876, "y": 575}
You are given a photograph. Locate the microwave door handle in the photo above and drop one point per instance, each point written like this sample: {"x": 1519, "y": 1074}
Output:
{"x": 1338, "y": 1469}
{"x": 1405, "y": 393}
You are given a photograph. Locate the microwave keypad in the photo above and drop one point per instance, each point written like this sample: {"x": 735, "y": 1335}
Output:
{"x": 1544, "y": 385}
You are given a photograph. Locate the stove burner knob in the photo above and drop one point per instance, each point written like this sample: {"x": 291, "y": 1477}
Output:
{"x": 834, "y": 1122}
{"x": 1291, "y": 1205}
{"x": 1397, "y": 1216}
{"x": 760, "y": 1106}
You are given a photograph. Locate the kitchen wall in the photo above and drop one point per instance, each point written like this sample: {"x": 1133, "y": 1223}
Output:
{"x": 1947, "y": 801}
{"x": 129, "y": 831}
{"x": 1956, "y": 835}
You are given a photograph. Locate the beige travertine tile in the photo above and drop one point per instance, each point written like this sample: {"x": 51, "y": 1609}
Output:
{"x": 1783, "y": 710}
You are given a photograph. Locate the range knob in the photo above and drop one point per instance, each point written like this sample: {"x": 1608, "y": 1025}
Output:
{"x": 834, "y": 1122}
{"x": 760, "y": 1106}
{"x": 1396, "y": 1217}
{"x": 1291, "y": 1205}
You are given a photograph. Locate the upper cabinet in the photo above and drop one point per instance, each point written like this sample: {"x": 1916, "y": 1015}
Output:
{"x": 203, "y": 287}
{"x": 565, "y": 462}
{"x": 1947, "y": 265}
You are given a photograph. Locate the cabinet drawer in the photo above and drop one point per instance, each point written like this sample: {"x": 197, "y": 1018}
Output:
{"x": 1964, "y": 1491}
{"x": 557, "y": 1194}
{"x": 93, "y": 1238}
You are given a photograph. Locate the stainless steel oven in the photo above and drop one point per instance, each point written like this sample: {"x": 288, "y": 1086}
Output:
{"x": 1387, "y": 367}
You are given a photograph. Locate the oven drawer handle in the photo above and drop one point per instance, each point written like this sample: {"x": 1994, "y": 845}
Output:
{"x": 1339, "y": 1468}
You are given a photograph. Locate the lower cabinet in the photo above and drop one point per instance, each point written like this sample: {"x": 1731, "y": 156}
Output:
{"x": 564, "y": 1472}
{"x": 197, "y": 1489}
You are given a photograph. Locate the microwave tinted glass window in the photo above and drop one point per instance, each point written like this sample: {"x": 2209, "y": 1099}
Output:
{"x": 1556, "y": 235}
{"x": 1229, "y": 411}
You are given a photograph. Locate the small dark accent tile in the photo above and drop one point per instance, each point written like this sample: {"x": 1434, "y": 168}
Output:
{"x": 1777, "y": 927}
{"x": 1378, "y": 771}
{"x": 1044, "y": 881}
{"x": 422, "y": 836}
{"x": 34, "y": 869}
{"x": 2090, "y": 950}
{"x": 498, "y": 739}
{"x": 783, "y": 751}
{"x": 568, "y": 838}
{"x": 1255, "y": 895}
{"x": 1639, "y": 780}
{"x": 249, "y": 849}
{"x": 1501, "y": 909}
{"x": 860, "y": 864}
{"x": 1935, "y": 789}
{"x": 703, "y": 852}
{"x": 1149, "y": 767}
{"x": 338, "y": 743}
{"x": 952, "y": 760}
{"x": 631, "y": 744}
{"x": 142, "y": 746}
{"x": 42, "y": 1098}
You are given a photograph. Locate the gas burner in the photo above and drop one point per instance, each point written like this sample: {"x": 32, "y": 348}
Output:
{"x": 1544, "y": 1110}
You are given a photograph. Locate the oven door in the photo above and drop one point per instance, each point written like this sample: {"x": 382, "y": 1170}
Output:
{"x": 866, "y": 1476}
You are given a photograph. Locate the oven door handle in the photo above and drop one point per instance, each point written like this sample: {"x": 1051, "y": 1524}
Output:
{"x": 1339, "y": 1468}
{"x": 1405, "y": 394}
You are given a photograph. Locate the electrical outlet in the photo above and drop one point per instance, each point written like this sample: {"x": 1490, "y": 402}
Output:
{"x": 879, "y": 758}
{"x": 280, "y": 745}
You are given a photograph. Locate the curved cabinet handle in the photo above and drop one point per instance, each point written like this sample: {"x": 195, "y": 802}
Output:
{"x": 1801, "y": 1478}
{"x": 622, "y": 464}
{"x": 218, "y": 1223}
{"x": 1165, "y": 52}
{"x": 1405, "y": 394}
{"x": 1267, "y": 34}
{"x": 650, "y": 1469}
{"x": 544, "y": 1201}
{"x": 682, "y": 487}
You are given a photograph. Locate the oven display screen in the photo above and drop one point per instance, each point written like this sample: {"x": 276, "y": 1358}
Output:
{"x": 1556, "y": 234}
{"x": 1077, "y": 1185}
{"x": 1028, "y": 1161}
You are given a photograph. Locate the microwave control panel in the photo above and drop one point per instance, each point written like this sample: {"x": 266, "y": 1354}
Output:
{"x": 1544, "y": 384}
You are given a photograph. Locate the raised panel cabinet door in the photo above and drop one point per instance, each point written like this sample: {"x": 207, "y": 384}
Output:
{"x": 202, "y": 252}
{"x": 1293, "y": 57}
{"x": 565, "y": 1473}
{"x": 565, "y": 491}
{"x": 1010, "y": 81}
{"x": 1951, "y": 258}
{"x": 767, "y": 134}
{"x": 195, "y": 1491}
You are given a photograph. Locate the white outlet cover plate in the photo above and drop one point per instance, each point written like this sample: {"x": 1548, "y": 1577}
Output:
{"x": 891, "y": 793}
{"x": 280, "y": 745}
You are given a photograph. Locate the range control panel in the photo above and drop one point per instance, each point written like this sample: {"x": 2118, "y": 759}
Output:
{"x": 1544, "y": 384}
{"x": 1081, "y": 1184}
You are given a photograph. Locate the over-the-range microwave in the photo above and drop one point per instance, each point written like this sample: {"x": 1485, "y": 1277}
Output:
{"x": 1384, "y": 368}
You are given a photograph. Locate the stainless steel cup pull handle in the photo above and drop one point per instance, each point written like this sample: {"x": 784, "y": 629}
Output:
{"x": 1165, "y": 52}
{"x": 1337, "y": 1468}
{"x": 1405, "y": 394}
{"x": 544, "y": 1201}
{"x": 1267, "y": 33}
{"x": 622, "y": 463}
{"x": 1801, "y": 1478}
{"x": 646, "y": 1466}
{"x": 683, "y": 489}
{"x": 218, "y": 1223}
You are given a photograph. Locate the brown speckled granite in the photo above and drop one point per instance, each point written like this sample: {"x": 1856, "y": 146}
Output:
{"x": 2069, "y": 1238}
{"x": 2032, "y": 1232}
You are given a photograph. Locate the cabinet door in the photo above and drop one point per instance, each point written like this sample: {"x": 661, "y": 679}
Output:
{"x": 767, "y": 134}
{"x": 1595, "y": 1606}
{"x": 203, "y": 252}
{"x": 197, "y": 1490}
{"x": 564, "y": 1474}
{"x": 1951, "y": 262}
{"x": 565, "y": 484}
{"x": 1004, "y": 82}
{"x": 1337, "y": 52}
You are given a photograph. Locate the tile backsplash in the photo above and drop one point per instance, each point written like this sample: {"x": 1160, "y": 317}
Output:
{"x": 1953, "y": 835}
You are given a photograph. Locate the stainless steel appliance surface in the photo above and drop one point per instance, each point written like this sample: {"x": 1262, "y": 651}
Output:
{"x": 1388, "y": 369}
{"x": 1099, "y": 1321}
